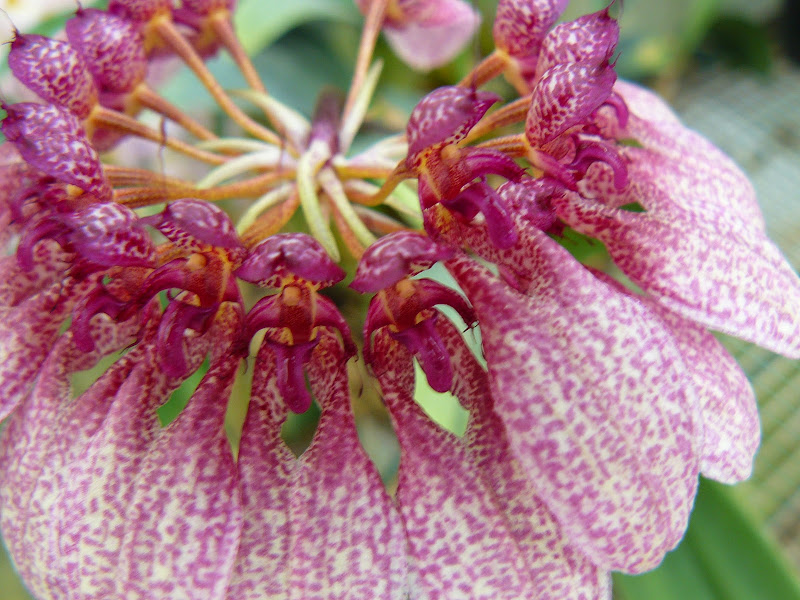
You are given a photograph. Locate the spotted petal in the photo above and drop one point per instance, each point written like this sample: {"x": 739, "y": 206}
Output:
{"x": 40, "y": 438}
{"x": 596, "y": 402}
{"x": 564, "y": 97}
{"x": 731, "y": 432}
{"x": 745, "y": 289}
{"x": 459, "y": 537}
{"x": 520, "y": 25}
{"x": 697, "y": 181}
{"x": 184, "y": 515}
{"x": 111, "y": 46}
{"x": 92, "y": 511}
{"x": 139, "y": 10}
{"x": 54, "y": 70}
{"x": 321, "y": 526}
{"x": 27, "y": 333}
{"x": 49, "y": 266}
{"x": 588, "y": 39}
{"x": 445, "y": 116}
{"x": 53, "y": 140}
{"x": 557, "y": 569}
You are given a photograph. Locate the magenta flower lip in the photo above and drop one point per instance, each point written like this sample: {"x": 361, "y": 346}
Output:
{"x": 592, "y": 408}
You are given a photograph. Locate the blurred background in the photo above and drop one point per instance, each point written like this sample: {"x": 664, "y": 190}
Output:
{"x": 731, "y": 69}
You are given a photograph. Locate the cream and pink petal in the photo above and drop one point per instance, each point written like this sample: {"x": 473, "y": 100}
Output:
{"x": 459, "y": 538}
{"x": 558, "y": 571}
{"x": 41, "y": 437}
{"x": 320, "y": 527}
{"x": 184, "y": 513}
{"x": 731, "y": 431}
{"x": 694, "y": 177}
{"x": 745, "y": 289}
{"x": 27, "y": 334}
{"x": 726, "y": 401}
{"x": 596, "y": 402}
{"x": 433, "y": 32}
{"x": 266, "y": 468}
{"x": 91, "y": 511}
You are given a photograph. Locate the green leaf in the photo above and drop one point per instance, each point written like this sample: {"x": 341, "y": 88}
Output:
{"x": 724, "y": 556}
{"x": 742, "y": 43}
{"x": 178, "y": 400}
{"x": 260, "y": 23}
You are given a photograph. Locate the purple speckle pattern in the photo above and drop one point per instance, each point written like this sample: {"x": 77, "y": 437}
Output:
{"x": 728, "y": 410}
{"x": 109, "y": 234}
{"x": 700, "y": 249}
{"x": 92, "y": 524}
{"x": 112, "y": 48}
{"x": 466, "y": 550}
{"x": 558, "y": 571}
{"x": 445, "y": 116}
{"x": 597, "y": 405}
{"x": 520, "y": 25}
{"x": 731, "y": 431}
{"x": 55, "y": 71}
{"x": 197, "y": 225}
{"x": 40, "y": 438}
{"x": 744, "y": 288}
{"x": 320, "y": 526}
{"x": 564, "y": 97}
{"x": 596, "y": 411}
{"x": 139, "y": 10}
{"x": 50, "y": 262}
{"x": 588, "y": 39}
{"x": 27, "y": 334}
{"x": 284, "y": 256}
{"x": 693, "y": 180}
{"x": 53, "y": 140}
{"x": 394, "y": 257}
{"x": 184, "y": 517}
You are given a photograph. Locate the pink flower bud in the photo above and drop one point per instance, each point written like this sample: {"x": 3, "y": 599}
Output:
{"x": 288, "y": 255}
{"x": 53, "y": 140}
{"x": 139, "y": 10}
{"x": 197, "y": 226}
{"x": 55, "y": 71}
{"x": 564, "y": 97}
{"x": 394, "y": 257}
{"x": 112, "y": 48}
{"x": 445, "y": 116}
{"x": 428, "y": 34}
{"x": 520, "y": 25}
{"x": 588, "y": 39}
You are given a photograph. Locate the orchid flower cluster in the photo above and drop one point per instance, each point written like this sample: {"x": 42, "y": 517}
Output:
{"x": 594, "y": 403}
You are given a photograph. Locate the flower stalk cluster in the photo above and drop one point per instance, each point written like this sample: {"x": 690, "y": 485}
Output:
{"x": 596, "y": 409}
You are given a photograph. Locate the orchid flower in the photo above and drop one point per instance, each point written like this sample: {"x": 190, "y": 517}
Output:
{"x": 594, "y": 404}
{"x": 425, "y": 33}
